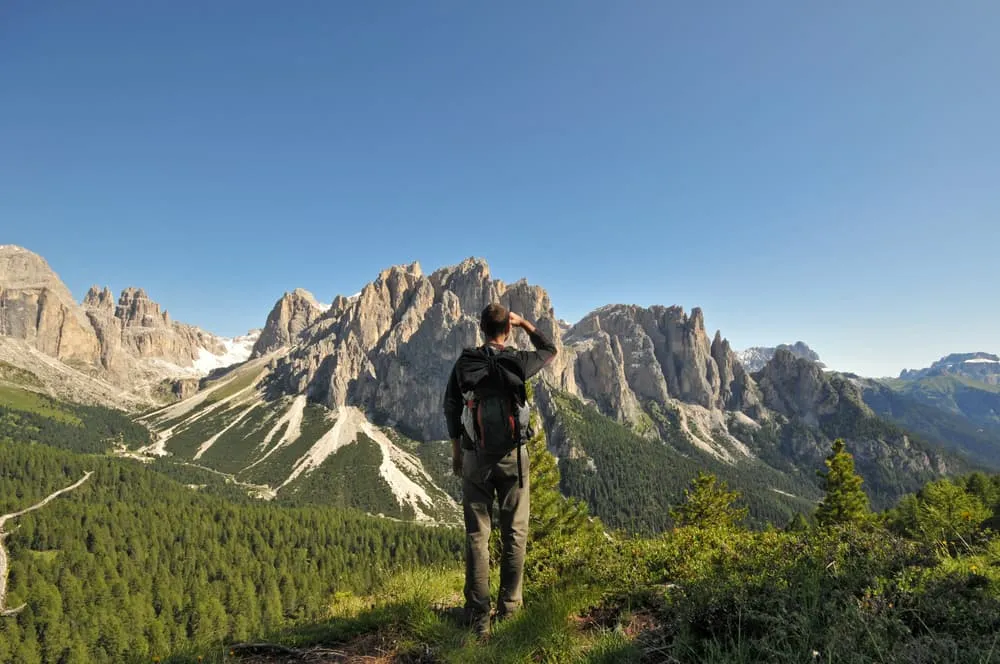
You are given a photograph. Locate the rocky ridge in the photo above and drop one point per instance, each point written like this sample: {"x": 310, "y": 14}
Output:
{"x": 128, "y": 343}
{"x": 389, "y": 350}
{"x": 983, "y": 367}
{"x": 292, "y": 314}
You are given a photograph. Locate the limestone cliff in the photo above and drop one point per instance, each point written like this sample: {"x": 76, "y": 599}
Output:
{"x": 37, "y": 307}
{"x": 626, "y": 356}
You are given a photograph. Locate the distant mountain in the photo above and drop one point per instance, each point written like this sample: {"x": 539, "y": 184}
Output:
{"x": 753, "y": 359}
{"x": 977, "y": 402}
{"x": 958, "y": 412}
{"x": 983, "y": 367}
{"x": 122, "y": 352}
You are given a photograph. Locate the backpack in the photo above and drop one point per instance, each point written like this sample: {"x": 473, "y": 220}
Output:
{"x": 495, "y": 415}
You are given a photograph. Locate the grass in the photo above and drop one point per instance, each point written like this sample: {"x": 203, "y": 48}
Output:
{"x": 16, "y": 398}
{"x": 240, "y": 380}
{"x": 187, "y": 438}
{"x": 416, "y": 617}
{"x": 229, "y": 385}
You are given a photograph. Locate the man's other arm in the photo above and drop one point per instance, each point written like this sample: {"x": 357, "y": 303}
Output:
{"x": 453, "y": 416}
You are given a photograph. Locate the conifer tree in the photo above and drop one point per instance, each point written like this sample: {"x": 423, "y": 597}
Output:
{"x": 798, "y": 523}
{"x": 945, "y": 512}
{"x": 845, "y": 502}
{"x": 709, "y": 504}
{"x": 562, "y": 534}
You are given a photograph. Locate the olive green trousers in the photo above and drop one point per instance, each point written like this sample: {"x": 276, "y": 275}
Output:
{"x": 481, "y": 483}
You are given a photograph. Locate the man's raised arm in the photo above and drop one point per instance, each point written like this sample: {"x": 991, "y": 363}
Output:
{"x": 533, "y": 361}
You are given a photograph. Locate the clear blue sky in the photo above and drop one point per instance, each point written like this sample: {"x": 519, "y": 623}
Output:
{"x": 802, "y": 170}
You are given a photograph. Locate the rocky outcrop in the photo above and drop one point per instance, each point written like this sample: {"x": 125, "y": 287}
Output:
{"x": 390, "y": 349}
{"x": 627, "y": 355}
{"x": 753, "y": 359}
{"x": 797, "y": 388}
{"x": 99, "y": 306}
{"x": 182, "y": 388}
{"x": 557, "y": 437}
{"x": 292, "y": 314}
{"x": 37, "y": 307}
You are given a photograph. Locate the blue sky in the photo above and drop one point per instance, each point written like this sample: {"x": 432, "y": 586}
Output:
{"x": 819, "y": 171}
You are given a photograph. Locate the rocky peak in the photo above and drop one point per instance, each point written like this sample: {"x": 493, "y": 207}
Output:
{"x": 99, "y": 299}
{"x": 21, "y": 269}
{"x": 627, "y": 355}
{"x": 291, "y": 314}
{"x": 470, "y": 282}
{"x": 135, "y": 309}
{"x": 796, "y": 387}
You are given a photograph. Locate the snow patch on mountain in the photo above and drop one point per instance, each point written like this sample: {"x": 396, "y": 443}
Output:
{"x": 237, "y": 351}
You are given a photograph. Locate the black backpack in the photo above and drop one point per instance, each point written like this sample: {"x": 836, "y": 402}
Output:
{"x": 496, "y": 416}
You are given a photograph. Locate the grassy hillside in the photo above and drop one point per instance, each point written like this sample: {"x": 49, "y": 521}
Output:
{"x": 635, "y": 481}
{"x": 31, "y": 417}
{"x": 300, "y": 451}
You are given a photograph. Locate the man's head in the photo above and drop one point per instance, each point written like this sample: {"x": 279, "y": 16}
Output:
{"x": 495, "y": 323}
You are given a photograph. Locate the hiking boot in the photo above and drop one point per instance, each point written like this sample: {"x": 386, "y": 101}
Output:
{"x": 480, "y": 624}
{"x": 505, "y": 615}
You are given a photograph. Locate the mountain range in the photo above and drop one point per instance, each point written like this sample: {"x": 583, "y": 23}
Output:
{"x": 341, "y": 403}
{"x": 983, "y": 367}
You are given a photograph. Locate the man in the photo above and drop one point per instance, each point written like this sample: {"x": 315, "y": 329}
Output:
{"x": 489, "y": 468}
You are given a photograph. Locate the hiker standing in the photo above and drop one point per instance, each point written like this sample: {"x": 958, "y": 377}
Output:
{"x": 486, "y": 407}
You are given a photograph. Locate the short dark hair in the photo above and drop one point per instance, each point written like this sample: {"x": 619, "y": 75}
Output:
{"x": 494, "y": 321}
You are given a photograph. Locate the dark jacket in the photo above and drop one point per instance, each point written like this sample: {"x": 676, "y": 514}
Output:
{"x": 473, "y": 364}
